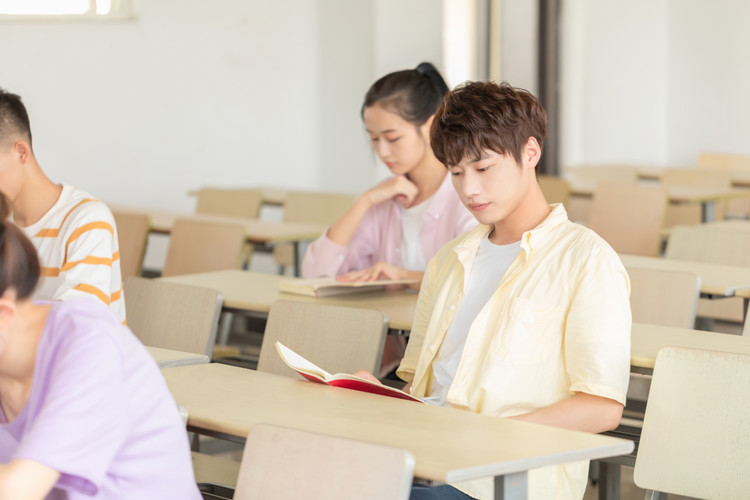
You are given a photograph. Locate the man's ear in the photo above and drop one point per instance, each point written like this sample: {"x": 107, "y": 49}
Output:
{"x": 22, "y": 149}
{"x": 532, "y": 152}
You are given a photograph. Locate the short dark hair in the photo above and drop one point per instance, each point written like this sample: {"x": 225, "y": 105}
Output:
{"x": 19, "y": 264}
{"x": 413, "y": 94}
{"x": 478, "y": 116}
{"x": 14, "y": 120}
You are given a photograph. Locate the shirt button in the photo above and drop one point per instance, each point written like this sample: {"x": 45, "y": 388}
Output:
{"x": 452, "y": 307}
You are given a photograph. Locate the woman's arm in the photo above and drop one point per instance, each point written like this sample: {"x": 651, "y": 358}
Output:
{"x": 24, "y": 479}
{"x": 580, "y": 412}
{"x": 398, "y": 187}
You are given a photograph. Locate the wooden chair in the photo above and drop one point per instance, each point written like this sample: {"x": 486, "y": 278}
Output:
{"x": 664, "y": 296}
{"x": 627, "y": 174}
{"x": 659, "y": 297}
{"x": 723, "y": 161}
{"x": 245, "y": 202}
{"x": 725, "y": 243}
{"x": 289, "y": 464}
{"x": 629, "y": 216}
{"x": 579, "y": 207}
{"x": 736, "y": 207}
{"x": 338, "y": 339}
{"x": 132, "y": 235}
{"x": 695, "y": 441}
{"x": 197, "y": 246}
{"x": 693, "y": 177}
{"x": 312, "y": 208}
{"x": 172, "y": 315}
{"x": 555, "y": 189}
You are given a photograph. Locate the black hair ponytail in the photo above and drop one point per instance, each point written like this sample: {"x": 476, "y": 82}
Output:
{"x": 413, "y": 94}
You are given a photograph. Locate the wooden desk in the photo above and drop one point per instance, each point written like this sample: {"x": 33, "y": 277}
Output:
{"x": 647, "y": 340}
{"x": 740, "y": 177}
{"x": 228, "y": 401}
{"x": 717, "y": 280}
{"x": 255, "y": 292}
{"x": 257, "y": 232}
{"x": 167, "y": 358}
{"x": 269, "y": 196}
{"x": 677, "y": 195}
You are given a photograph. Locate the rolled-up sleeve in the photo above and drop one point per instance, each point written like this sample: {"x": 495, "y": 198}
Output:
{"x": 597, "y": 331}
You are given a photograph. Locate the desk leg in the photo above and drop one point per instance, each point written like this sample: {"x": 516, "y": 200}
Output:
{"x": 297, "y": 270}
{"x": 746, "y": 328}
{"x": 609, "y": 481}
{"x": 511, "y": 486}
{"x": 708, "y": 211}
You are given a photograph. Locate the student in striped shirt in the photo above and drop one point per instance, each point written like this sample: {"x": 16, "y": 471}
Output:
{"x": 74, "y": 233}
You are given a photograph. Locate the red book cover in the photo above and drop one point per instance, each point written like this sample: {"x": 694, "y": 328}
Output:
{"x": 313, "y": 373}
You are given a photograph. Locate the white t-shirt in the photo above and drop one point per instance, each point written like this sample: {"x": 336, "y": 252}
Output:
{"x": 490, "y": 265}
{"x": 412, "y": 225}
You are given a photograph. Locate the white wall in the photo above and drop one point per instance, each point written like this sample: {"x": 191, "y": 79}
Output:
{"x": 709, "y": 78}
{"x": 187, "y": 94}
{"x": 614, "y": 81}
{"x": 654, "y": 81}
{"x": 238, "y": 92}
{"x": 519, "y": 44}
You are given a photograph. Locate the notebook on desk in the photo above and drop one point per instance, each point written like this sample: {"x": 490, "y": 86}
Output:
{"x": 322, "y": 287}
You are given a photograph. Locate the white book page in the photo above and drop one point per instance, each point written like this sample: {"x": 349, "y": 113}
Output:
{"x": 297, "y": 362}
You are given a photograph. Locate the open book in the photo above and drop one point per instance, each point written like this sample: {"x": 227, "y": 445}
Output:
{"x": 321, "y": 287}
{"x": 314, "y": 373}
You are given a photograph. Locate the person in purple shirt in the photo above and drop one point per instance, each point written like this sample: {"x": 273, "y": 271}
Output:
{"x": 84, "y": 410}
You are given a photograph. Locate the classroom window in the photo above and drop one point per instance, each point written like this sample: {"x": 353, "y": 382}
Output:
{"x": 64, "y": 9}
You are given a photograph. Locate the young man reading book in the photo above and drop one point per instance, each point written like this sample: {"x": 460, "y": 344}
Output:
{"x": 74, "y": 233}
{"x": 527, "y": 316}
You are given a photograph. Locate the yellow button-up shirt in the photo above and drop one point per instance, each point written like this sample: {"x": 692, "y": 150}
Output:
{"x": 558, "y": 323}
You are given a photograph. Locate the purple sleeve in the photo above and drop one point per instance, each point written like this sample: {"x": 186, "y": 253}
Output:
{"x": 77, "y": 419}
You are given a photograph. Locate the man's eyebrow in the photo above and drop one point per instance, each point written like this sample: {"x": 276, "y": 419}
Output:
{"x": 480, "y": 158}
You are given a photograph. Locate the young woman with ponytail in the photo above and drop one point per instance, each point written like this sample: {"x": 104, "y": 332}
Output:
{"x": 397, "y": 226}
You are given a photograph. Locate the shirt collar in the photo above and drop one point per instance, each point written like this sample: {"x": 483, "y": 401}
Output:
{"x": 529, "y": 239}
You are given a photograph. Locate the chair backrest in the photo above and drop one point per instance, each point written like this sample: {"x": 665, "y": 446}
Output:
{"x": 173, "y": 315}
{"x": 311, "y": 208}
{"x": 555, "y": 189}
{"x": 289, "y": 464}
{"x": 629, "y": 216}
{"x": 723, "y": 243}
{"x": 336, "y": 338}
{"x": 605, "y": 173}
{"x": 197, "y": 246}
{"x": 692, "y": 177}
{"x": 663, "y": 296}
{"x": 695, "y": 440}
{"x": 132, "y": 235}
{"x": 316, "y": 208}
{"x": 723, "y": 161}
{"x": 244, "y": 202}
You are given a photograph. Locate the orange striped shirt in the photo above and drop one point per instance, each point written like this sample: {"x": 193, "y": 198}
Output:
{"x": 78, "y": 250}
